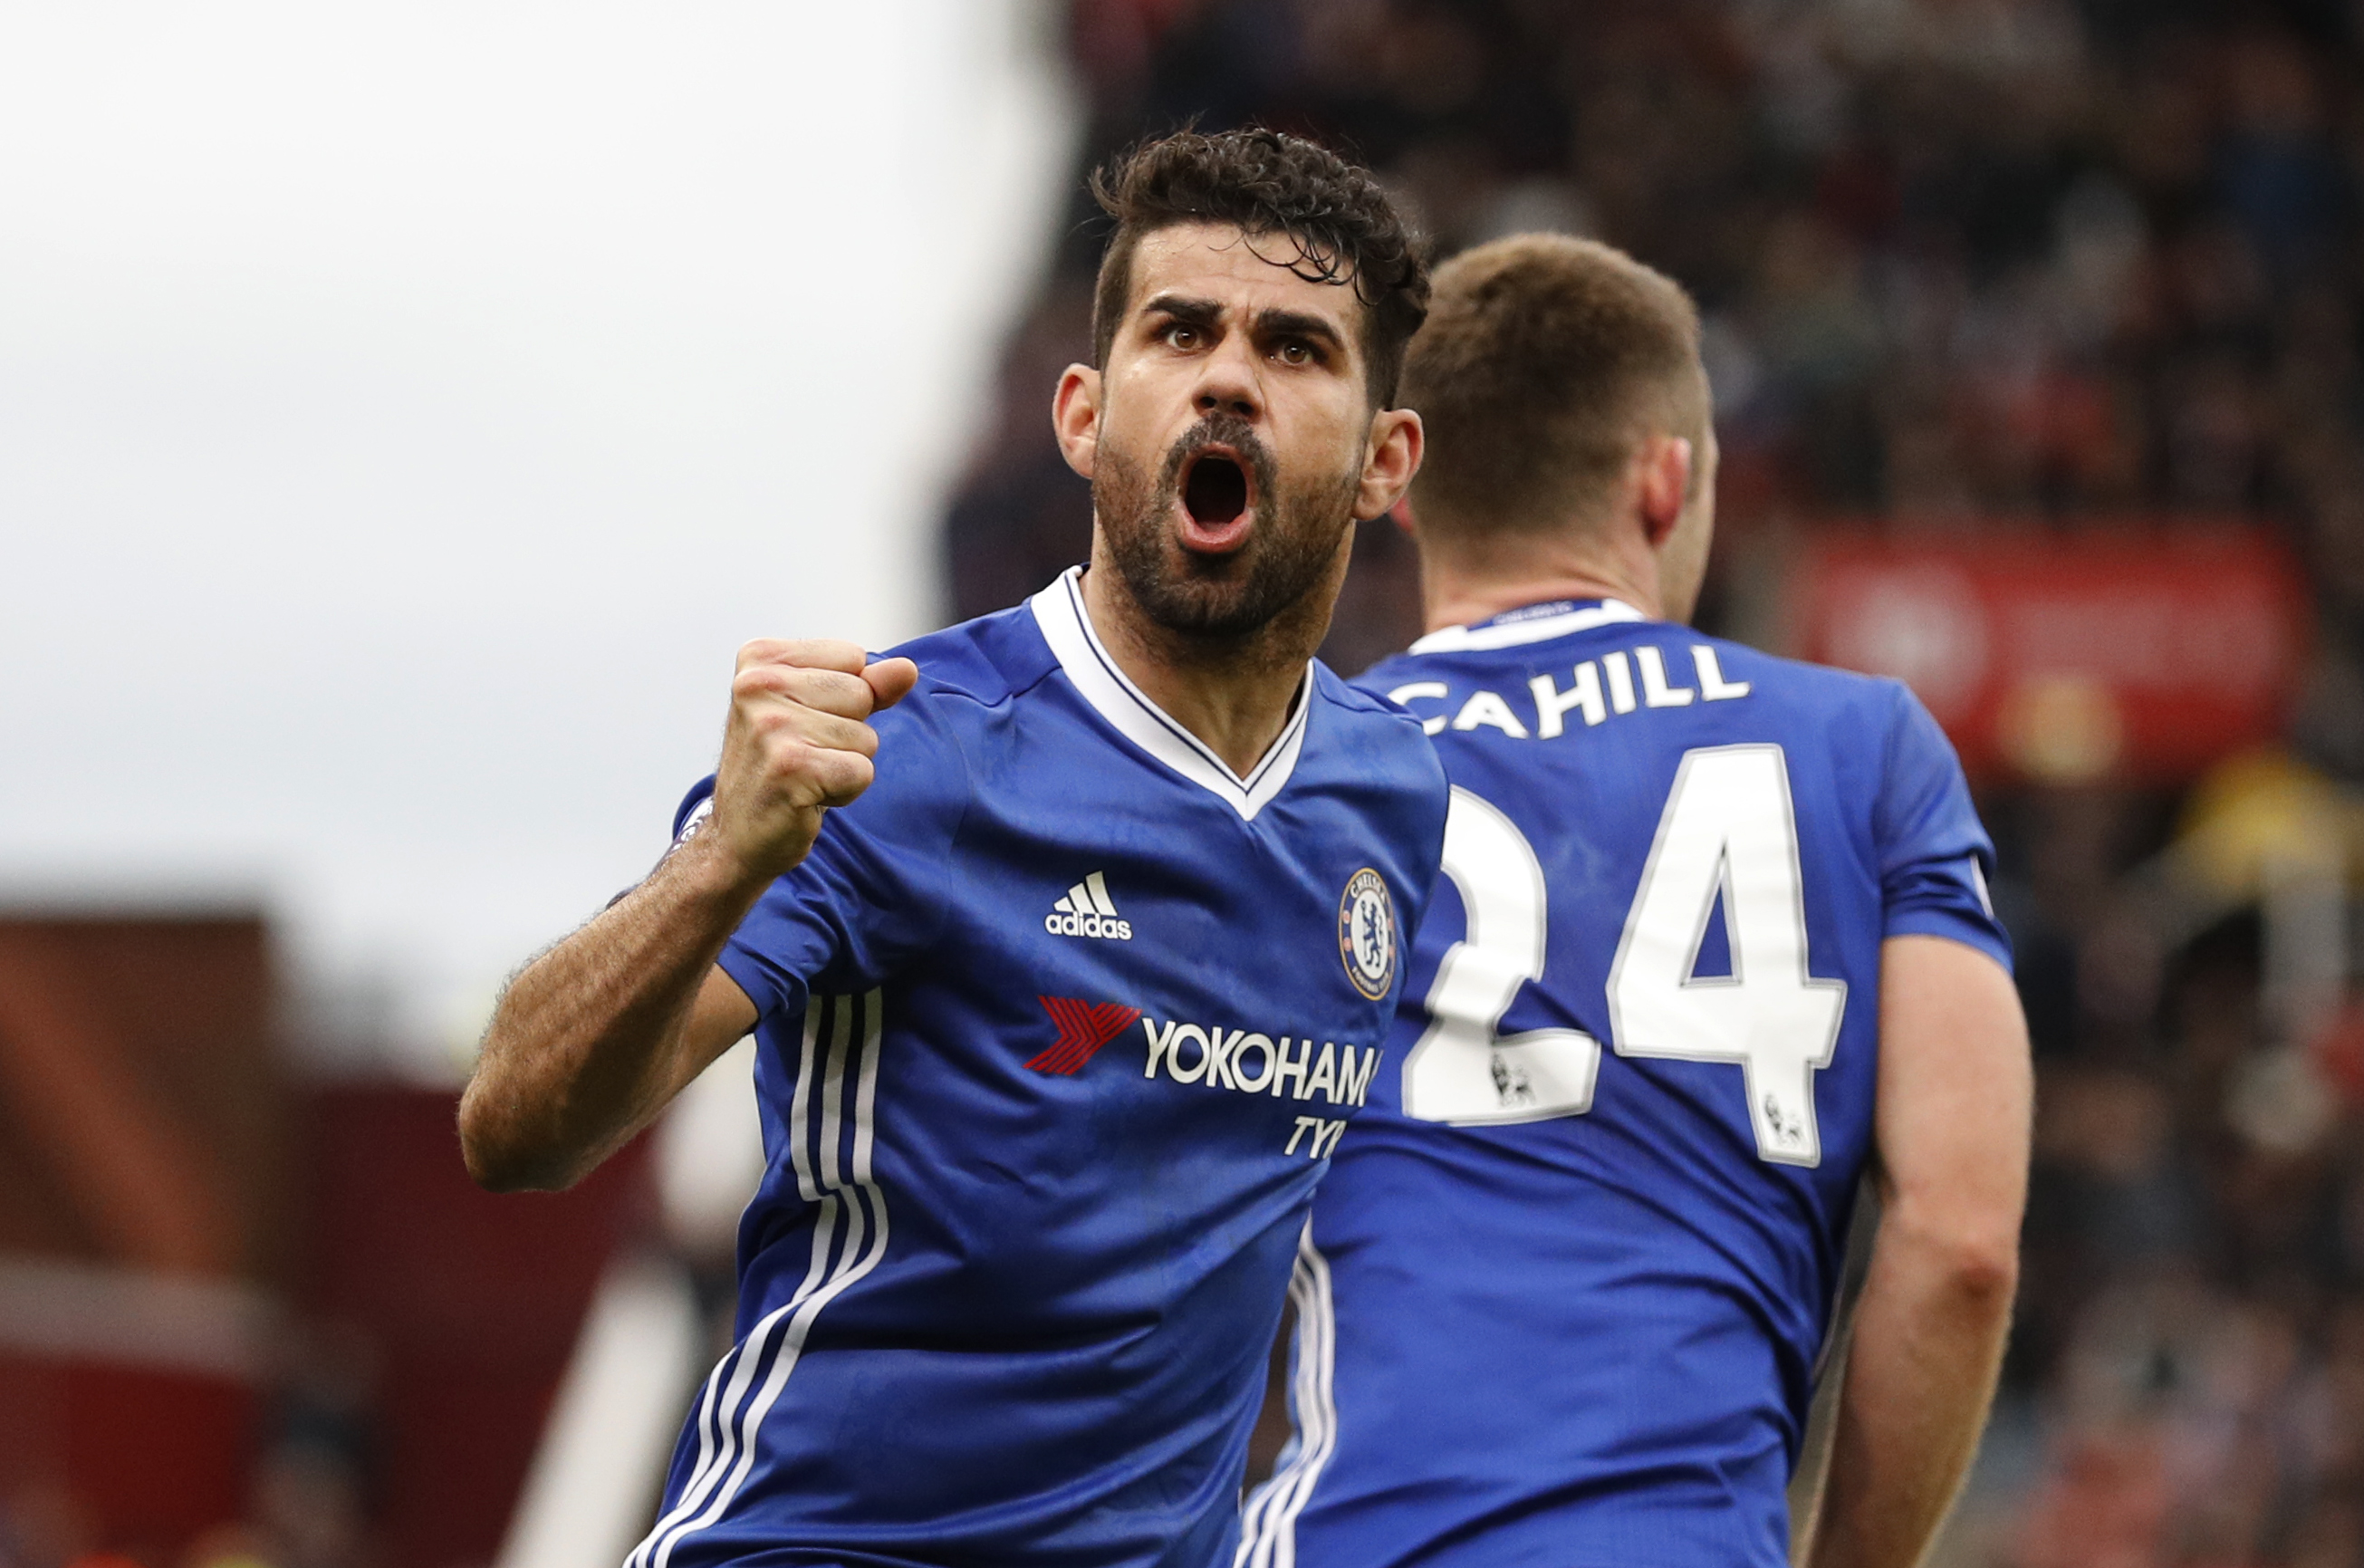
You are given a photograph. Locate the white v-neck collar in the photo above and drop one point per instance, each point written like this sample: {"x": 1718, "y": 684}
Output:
{"x": 1068, "y": 627}
{"x": 1500, "y": 633}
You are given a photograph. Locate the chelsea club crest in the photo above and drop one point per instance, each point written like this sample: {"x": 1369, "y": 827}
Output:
{"x": 1367, "y": 933}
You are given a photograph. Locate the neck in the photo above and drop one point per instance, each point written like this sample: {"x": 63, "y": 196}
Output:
{"x": 1461, "y": 585}
{"x": 1235, "y": 694}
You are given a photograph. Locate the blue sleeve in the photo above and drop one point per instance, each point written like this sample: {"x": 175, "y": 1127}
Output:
{"x": 872, "y": 894}
{"x": 1438, "y": 803}
{"x": 1934, "y": 857}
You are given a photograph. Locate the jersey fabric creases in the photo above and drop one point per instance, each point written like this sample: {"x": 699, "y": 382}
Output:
{"x": 1060, "y": 1022}
{"x": 1566, "y": 1283}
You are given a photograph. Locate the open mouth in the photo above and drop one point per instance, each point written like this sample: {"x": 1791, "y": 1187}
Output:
{"x": 1217, "y": 501}
{"x": 1217, "y": 491}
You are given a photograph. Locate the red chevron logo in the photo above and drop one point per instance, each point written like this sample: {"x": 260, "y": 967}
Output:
{"x": 1084, "y": 1028}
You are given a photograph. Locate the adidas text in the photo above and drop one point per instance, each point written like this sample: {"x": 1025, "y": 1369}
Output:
{"x": 1088, "y": 925}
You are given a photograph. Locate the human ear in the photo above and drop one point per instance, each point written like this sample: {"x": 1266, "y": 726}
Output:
{"x": 1389, "y": 460}
{"x": 1076, "y": 417}
{"x": 1665, "y": 483}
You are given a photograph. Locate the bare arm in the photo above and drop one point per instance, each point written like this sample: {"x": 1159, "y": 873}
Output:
{"x": 595, "y": 1038}
{"x": 1955, "y": 1097}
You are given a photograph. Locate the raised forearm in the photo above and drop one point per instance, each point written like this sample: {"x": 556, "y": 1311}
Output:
{"x": 1921, "y": 1371}
{"x": 593, "y": 1037}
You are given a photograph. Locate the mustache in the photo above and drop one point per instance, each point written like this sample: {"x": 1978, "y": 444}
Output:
{"x": 1222, "y": 429}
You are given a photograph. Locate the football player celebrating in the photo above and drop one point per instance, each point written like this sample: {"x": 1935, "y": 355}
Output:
{"x": 1720, "y": 945}
{"x": 1061, "y": 1018}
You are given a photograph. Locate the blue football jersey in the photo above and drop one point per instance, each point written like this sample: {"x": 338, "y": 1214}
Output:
{"x": 1566, "y": 1284}
{"x": 1060, "y": 1022}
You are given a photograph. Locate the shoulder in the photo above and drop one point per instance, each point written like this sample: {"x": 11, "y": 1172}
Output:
{"x": 1873, "y": 726}
{"x": 1364, "y": 697}
{"x": 978, "y": 665}
{"x": 1820, "y": 691}
{"x": 1359, "y": 709}
{"x": 931, "y": 743}
{"x": 1818, "y": 682}
{"x": 1867, "y": 700}
{"x": 1386, "y": 676}
{"x": 972, "y": 677}
{"x": 1874, "y": 733}
{"x": 1377, "y": 733}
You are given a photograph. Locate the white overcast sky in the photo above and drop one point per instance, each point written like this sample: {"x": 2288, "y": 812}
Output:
{"x": 406, "y": 409}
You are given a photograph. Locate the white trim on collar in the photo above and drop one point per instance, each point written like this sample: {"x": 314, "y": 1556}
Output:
{"x": 1516, "y": 633}
{"x": 1068, "y": 627}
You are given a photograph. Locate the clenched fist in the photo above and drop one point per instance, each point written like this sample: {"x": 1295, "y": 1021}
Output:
{"x": 795, "y": 745}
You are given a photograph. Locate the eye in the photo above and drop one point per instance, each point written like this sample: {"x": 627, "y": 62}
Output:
{"x": 1297, "y": 351}
{"x": 1182, "y": 335}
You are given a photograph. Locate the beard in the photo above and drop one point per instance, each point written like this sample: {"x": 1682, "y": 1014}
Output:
{"x": 1227, "y": 597}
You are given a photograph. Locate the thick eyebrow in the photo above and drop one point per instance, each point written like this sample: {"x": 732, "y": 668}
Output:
{"x": 1203, "y": 313}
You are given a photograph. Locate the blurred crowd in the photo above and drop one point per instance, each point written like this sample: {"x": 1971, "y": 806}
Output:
{"x": 1965, "y": 264}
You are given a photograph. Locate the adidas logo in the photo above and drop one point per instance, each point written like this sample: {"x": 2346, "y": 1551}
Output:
{"x": 1087, "y": 911}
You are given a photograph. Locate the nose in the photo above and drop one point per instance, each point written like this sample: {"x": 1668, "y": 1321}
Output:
{"x": 1228, "y": 382}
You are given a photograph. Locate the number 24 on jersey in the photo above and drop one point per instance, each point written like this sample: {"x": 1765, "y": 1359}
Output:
{"x": 1728, "y": 835}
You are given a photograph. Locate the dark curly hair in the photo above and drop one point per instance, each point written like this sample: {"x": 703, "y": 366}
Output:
{"x": 1343, "y": 228}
